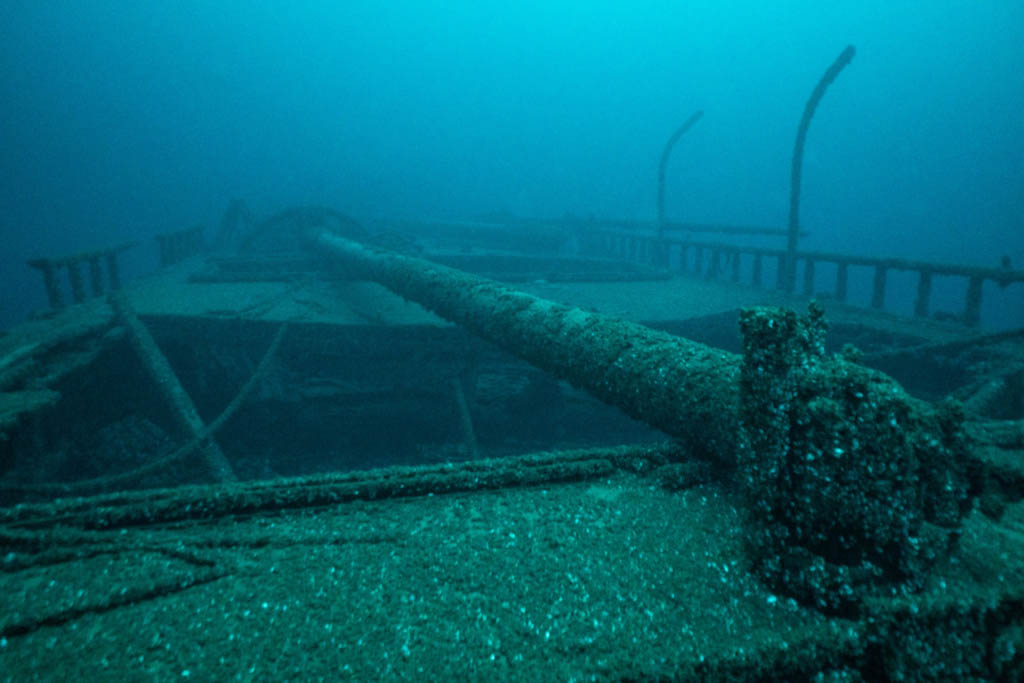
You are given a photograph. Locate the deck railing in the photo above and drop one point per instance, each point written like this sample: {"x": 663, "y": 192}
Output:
{"x": 96, "y": 261}
{"x": 720, "y": 260}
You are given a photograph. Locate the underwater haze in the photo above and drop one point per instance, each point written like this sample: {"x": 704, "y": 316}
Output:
{"x": 123, "y": 120}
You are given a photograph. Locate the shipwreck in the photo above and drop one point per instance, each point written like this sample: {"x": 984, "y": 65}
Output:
{"x": 314, "y": 445}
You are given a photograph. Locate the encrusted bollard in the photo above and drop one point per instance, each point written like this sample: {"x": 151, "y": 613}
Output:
{"x": 857, "y": 486}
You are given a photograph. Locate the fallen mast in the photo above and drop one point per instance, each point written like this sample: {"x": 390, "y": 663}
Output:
{"x": 857, "y": 487}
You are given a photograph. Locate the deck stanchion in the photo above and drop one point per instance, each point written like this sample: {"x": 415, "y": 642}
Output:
{"x": 924, "y": 293}
{"x": 972, "y": 305}
{"x": 48, "y": 269}
{"x": 74, "y": 267}
{"x": 878, "y": 286}
{"x": 113, "y": 270}
{"x": 809, "y": 276}
{"x": 95, "y": 274}
{"x": 842, "y": 280}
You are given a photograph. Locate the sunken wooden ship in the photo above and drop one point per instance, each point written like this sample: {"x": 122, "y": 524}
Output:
{"x": 316, "y": 446}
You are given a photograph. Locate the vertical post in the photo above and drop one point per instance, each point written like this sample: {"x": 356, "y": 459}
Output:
{"x": 180, "y": 241}
{"x": 177, "y": 242}
{"x": 165, "y": 257}
{"x": 924, "y": 293}
{"x": 756, "y": 275}
{"x": 972, "y": 307}
{"x": 878, "y": 288}
{"x": 196, "y": 241}
{"x": 809, "y": 276}
{"x": 715, "y": 265}
{"x": 49, "y": 271}
{"x": 95, "y": 274}
{"x": 842, "y": 280}
{"x": 736, "y": 266}
{"x": 113, "y": 271}
{"x": 465, "y": 419}
{"x": 75, "y": 277}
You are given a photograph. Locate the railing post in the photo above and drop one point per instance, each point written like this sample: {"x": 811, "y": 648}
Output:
{"x": 95, "y": 274}
{"x": 49, "y": 271}
{"x": 75, "y": 277}
{"x": 842, "y": 280}
{"x": 163, "y": 242}
{"x": 809, "y": 276}
{"x": 924, "y": 293}
{"x": 755, "y": 276}
{"x": 878, "y": 289}
{"x": 716, "y": 261}
{"x": 972, "y": 307}
{"x": 113, "y": 270}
